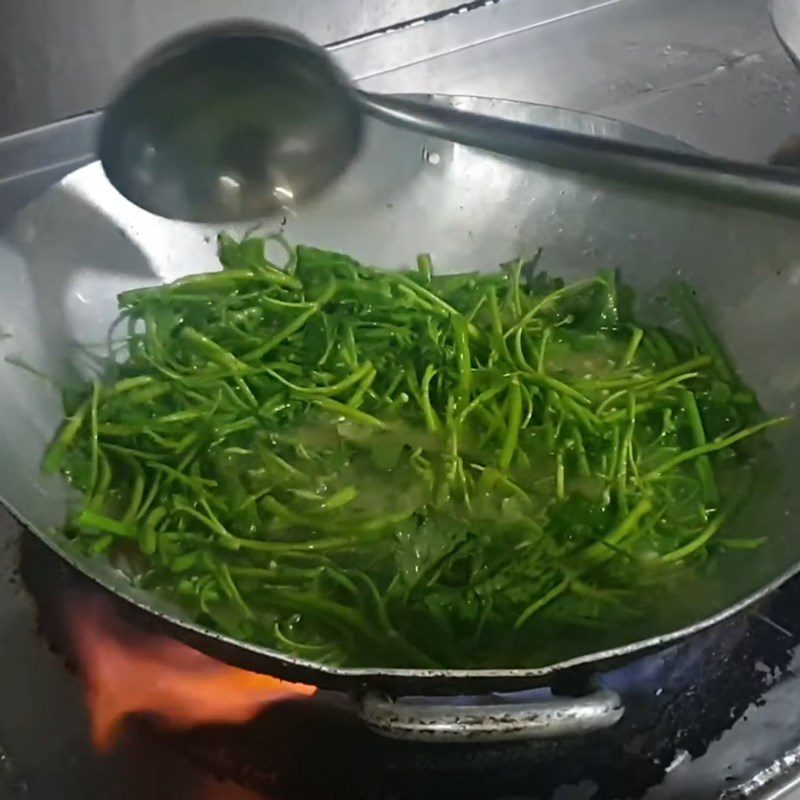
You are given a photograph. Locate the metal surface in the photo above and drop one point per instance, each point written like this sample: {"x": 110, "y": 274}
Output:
{"x": 68, "y": 254}
{"x": 749, "y": 773}
{"x": 60, "y": 59}
{"x": 786, "y": 19}
{"x": 509, "y": 721}
{"x": 709, "y": 71}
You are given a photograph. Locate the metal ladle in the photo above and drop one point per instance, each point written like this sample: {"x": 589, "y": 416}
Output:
{"x": 239, "y": 120}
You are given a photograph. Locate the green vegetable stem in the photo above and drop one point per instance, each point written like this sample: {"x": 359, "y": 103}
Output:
{"x": 374, "y": 468}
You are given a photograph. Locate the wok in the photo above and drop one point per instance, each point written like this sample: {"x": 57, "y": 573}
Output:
{"x": 65, "y": 257}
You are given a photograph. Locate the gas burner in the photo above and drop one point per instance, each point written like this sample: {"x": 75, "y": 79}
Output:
{"x": 678, "y": 701}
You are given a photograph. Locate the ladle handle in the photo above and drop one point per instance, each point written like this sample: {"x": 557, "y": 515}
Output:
{"x": 755, "y": 186}
{"x": 458, "y": 720}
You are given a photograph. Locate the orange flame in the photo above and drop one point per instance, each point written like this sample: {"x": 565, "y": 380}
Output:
{"x": 129, "y": 672}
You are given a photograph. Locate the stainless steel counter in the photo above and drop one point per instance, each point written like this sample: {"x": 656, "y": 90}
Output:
{"x": 61, "y": 57}
{"x": 709, "y": 71}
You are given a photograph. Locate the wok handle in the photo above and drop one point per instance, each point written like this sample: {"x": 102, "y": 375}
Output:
{"x": 453, "y": 720}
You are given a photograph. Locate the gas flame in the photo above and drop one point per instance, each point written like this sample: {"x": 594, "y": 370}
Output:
{"x": 130, "y": 672}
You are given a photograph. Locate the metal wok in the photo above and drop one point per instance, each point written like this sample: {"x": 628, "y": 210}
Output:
{"x": 66, "y": 256}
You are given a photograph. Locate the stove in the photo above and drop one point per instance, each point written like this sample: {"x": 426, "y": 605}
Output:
{"x": 717, "y": 716}
{"x": 714, "y": 716}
